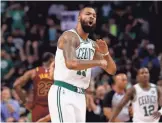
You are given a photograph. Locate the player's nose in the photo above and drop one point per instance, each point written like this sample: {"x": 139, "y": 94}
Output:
{"x": 91, "y": 17}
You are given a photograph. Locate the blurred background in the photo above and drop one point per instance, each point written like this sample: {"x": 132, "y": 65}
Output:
{"x": 132, "y": 30}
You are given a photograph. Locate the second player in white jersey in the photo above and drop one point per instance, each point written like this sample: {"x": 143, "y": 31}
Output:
{"x": 145, "y": 98}
{"x": 145, "y": 103}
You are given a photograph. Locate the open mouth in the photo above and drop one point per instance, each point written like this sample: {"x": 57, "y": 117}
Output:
{"x": 90, "y": 23}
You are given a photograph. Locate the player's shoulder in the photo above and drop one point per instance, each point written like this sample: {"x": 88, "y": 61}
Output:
{"x": 30, "y": 73}
{"x": 67, "y": 37}
{"x": 69, "y": 33}
{"x": 153, "y": 85}
{"x": 136, "y": 86}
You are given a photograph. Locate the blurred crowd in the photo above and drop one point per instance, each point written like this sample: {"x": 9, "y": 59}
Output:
{"x": 30, "y": 28}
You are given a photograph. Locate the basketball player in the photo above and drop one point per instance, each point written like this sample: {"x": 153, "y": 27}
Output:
{"x": 42, "y": 81}
{"x": 75, "y": 56}
{"x": 145, "y": 99}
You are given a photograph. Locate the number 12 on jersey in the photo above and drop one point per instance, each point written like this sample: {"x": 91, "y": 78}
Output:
{"x": 82, "y": 72}
{"x": 148, "y": 110}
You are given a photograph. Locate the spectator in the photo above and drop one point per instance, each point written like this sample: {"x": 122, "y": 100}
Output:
{"x": 113, "y": 98}
{"x": 16, "y": 12}
{"x": 32, "y": 43}
{"x": 160, "y": 60}
{"x": 143, "y": 48}
{"x": 127, "y": 39}
{"x": 130, "y": 72}
{"x": 30, "y": 62}
{"x": 152, "y": 63}
{"x": 123, "y": 60}
{"x": 112, "y": 53}
{"x": 56, "y": 9}
{"x": 95, "y": 105}
{"x": 51, "y": 34}
{"x": 4, "y": 30}
{"x": 136, "y": 60}
{"x": 110, "y": 27}
{"x": 106, "y": 9}
{"x": 7, "y": 67}
{"x": 9, "y": 107}
{"x": 16, "y": 97}
{"x": 127, "y": 35}
{"x": 9, "y": 46}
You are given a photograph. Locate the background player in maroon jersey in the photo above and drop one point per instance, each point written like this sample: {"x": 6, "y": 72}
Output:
{"x": 42, "y": 80}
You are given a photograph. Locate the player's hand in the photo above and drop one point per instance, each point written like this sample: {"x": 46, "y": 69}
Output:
{"x": 28, "y": 104}
{"x": 101, "y": 46}
{"x": 103, "y": 63}
{"x": 156, "y": 115}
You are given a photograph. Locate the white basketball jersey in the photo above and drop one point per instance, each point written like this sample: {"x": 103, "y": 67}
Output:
{"x": 144, "y": 104}
{"x": 78, "y": 78}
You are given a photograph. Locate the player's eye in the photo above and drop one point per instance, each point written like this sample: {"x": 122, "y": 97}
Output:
{"x": 94, "y": 16}
{"x": 88, "y": 13}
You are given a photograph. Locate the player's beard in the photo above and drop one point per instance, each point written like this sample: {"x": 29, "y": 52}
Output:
{"x": 86, "y": 28}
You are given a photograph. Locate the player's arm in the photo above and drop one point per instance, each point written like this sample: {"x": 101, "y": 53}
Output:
{"x": 45, "y": 119}
{"x": 107, "y": 106}
{"x": 20, "y": 82}
{"x": 111, "y": 67}
{"x": 108, "y": 114}
{"x": 68, "y": 42}
{"x": 51, "y": 70}
{"x": 129, "y": 94}
{"x": 159, "y": 88}
{"x": 157, "y": 114}
{"x": 102, "y": 48}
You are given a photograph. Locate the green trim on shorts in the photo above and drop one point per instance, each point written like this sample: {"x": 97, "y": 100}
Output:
{"x": 58, "y": 105}
{"x": 69, "y": 87}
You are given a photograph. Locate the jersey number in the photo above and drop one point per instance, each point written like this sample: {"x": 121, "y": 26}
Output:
{"x": 43, "y": 88}
{"x": 82, "y": 72}
{"x": 148, "y": 110}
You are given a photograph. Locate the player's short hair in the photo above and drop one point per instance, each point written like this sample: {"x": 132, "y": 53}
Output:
{"x": 85, "y": 8}
{"x": 47, "y": 56}
{"x": 141, "y": 69}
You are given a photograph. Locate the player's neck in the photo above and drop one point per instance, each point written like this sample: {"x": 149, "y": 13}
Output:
{"x": 81, "y": 33}
{"x": 145, "y": 85}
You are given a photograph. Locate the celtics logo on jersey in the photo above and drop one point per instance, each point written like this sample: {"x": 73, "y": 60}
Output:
{"x": 147, "y": 103}
{"x": 87, "y": 54}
